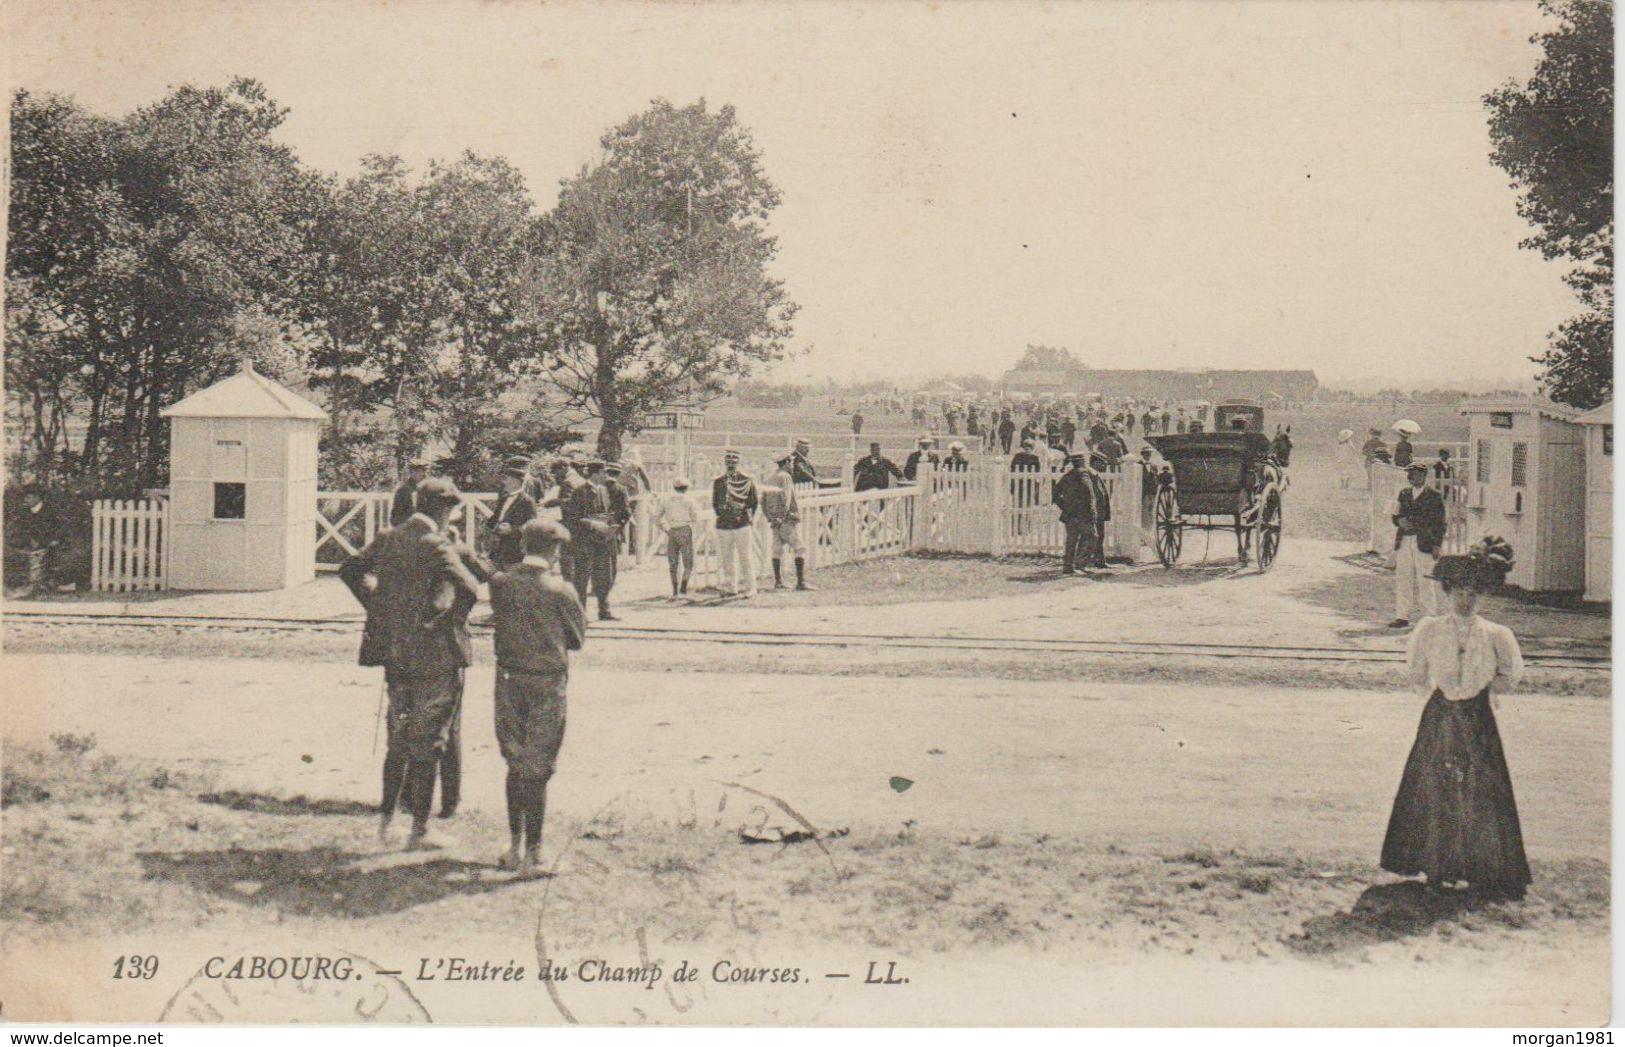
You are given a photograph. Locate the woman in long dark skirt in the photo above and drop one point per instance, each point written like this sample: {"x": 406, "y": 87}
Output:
{"x": 1454, "y": 820}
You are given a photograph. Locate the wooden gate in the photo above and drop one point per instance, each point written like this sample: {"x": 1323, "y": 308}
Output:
{"x": 989, "y": 509}
{"x": 128, "y": 544}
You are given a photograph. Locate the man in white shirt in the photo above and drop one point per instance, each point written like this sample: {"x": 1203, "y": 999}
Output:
{"x": 676, "y": 513}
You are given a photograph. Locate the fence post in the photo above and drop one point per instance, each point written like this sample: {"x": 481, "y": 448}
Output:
{"x": 999, "y": 518}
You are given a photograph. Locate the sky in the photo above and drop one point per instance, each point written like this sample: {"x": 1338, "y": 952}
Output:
{"x": 1181, "y": 183}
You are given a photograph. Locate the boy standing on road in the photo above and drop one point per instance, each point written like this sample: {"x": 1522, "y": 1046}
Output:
{"x": 538, "y": 623}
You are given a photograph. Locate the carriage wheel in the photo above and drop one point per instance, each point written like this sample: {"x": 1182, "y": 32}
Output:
{"x": 1269, "y": 531}
{"x": 1170, "y": 528}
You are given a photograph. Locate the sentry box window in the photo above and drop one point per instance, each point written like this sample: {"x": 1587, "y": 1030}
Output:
{"x": 230, "y": 501}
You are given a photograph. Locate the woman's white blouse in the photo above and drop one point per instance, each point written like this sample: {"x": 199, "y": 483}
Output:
{"x": 1461, "y": 658}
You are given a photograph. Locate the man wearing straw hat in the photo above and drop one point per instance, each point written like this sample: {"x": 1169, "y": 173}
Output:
{"x": 734, "y": 499}
{"x": 911, "y": 466}
{"x": 1419, "y": 526}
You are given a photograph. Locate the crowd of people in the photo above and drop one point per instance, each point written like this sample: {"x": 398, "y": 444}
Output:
{"x": 996, "y": 420}
{"x": 418, "y": 582}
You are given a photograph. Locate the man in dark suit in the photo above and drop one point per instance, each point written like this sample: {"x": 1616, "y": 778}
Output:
{"x": 1075, "y": 498}
{"x": 924, "y": 453}
{"x": 1101, "y": 506}
{"x": 1007, "y": 431}
{"x": 514, "y": 510}
{"x": 874, "y": 472}
{"x": 417, "y": 588}
{"x": 802, "y": 470}
{"x": 1419, "y": 525}
{"x": 405, "y": 501}
{"x": 588, "y": 517}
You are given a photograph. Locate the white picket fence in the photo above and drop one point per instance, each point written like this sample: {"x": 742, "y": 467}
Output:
{"x": 985, "y": 509}
{"x": 128, "y": 550}
{"x": 989, "y": 509}
{"x": 836, "y": 527}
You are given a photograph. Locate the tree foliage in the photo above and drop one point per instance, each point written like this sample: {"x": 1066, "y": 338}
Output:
{"x": 1554, "y": 136}
{"x": 650, "y": 283}
{"x": 1048, "y": 358}
{"x": 149, "y": 254}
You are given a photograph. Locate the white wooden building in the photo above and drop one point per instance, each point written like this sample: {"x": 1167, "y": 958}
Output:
{"x": 242, "y": 483}
{"x": 1526, "y": 483}
{"x": 1599, "y": 512}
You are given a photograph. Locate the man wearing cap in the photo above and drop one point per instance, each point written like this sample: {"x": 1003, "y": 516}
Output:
{"x": 911, "y": 466}
{"x": 417, "y": 588}
{"x": 676, "y": 516}
{"x": 514, "y": 510}
{"x": 405, "y": 500}
{"x": 801, "y": 467}
{"x": 1074, "y": 496}
{"x": 1419, "y": 526}
{"x": 783, "y": 513}
{"x": 593, "y": 539}
{"x": 538, "y": 622}
{"x": 734, "y": 499}
{"x": 874, "y": 471}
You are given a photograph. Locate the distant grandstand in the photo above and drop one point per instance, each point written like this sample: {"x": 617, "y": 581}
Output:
{"x": 1181, "y": 384}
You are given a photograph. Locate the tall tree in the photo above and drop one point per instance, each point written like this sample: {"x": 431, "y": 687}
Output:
{"x": 650, "y": 283}
{"x": 161, "y": 259}
{"x": 1555, "y": 137}
{"x": 410, "y": 289}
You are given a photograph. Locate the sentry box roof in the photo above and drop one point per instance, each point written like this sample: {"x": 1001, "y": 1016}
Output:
{"x": 246, "y": 394}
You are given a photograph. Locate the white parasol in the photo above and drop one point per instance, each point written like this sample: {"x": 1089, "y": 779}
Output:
{"x": 1406, "y": 426}
{"x": 1345, "y": 436}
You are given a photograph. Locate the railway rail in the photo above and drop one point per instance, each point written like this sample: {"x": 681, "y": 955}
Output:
{"x": 881, "y": 641}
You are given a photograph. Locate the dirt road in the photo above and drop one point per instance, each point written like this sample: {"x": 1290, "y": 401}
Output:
{"x": 1123, "y": 845}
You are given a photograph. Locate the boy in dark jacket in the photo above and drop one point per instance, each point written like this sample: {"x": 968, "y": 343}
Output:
{"x": 538, "y": 623}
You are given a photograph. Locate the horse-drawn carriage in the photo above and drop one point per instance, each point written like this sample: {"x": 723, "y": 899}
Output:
{"x": 1227, "y": 478}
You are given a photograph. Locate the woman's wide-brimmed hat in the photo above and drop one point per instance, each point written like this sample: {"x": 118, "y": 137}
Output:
{"x": 1485, "y": 566}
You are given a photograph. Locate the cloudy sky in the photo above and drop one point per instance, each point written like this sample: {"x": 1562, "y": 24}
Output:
{"x": 1299, "y": 183}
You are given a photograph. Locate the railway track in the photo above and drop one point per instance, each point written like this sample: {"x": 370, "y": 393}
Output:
{"x": 840, "y": 640}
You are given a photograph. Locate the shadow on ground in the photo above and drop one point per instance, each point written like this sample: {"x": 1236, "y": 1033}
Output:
{"x": 1388, "y": 912}
{"x": 295, "y": 806}
{"x": 322, "y": 881}
{"x": 1366, "y": 599}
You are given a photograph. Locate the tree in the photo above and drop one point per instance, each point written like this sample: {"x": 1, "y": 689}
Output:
{"x": 649, "y": 280}
{"x": 1048, "y": 358}
{"x": 154, "y": 250}
{"x": 410, "y": 289}
{"x": 1555, "y": 137}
